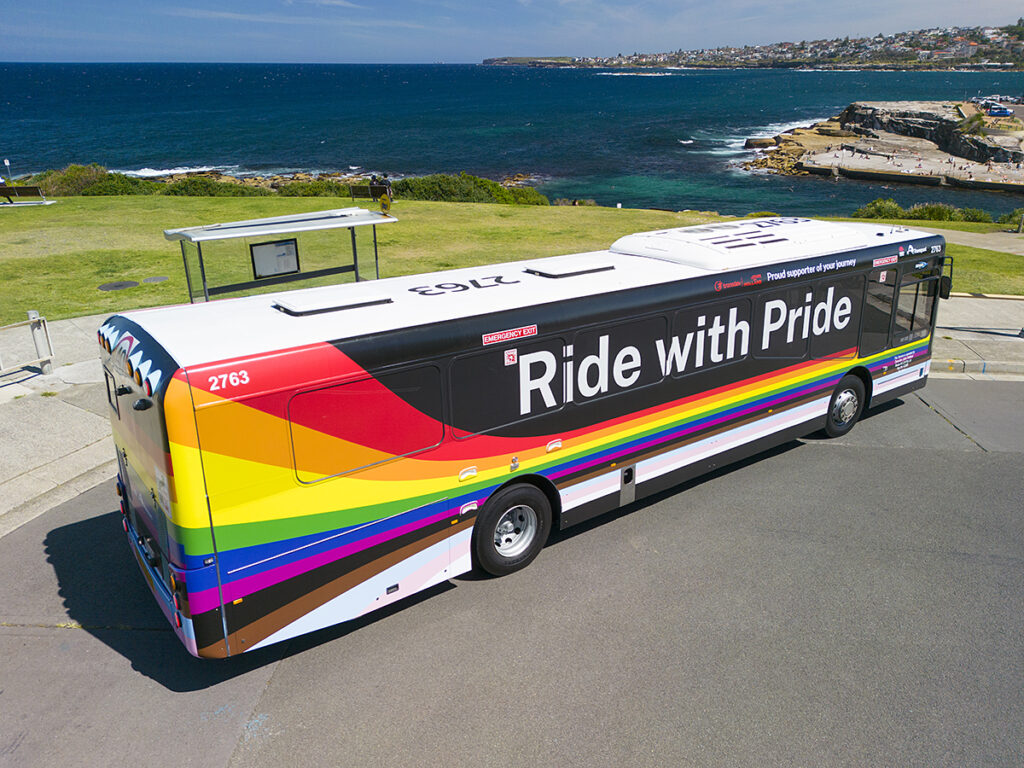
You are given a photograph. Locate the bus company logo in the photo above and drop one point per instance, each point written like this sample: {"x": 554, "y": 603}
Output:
{"x": 886, "y": 260}
{"x": 720, "y": 286}
{"x": 510, "y": 334}
{"x": 913, "y": 250}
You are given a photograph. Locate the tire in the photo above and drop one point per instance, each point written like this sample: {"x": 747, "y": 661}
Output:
{"x": 512, "y": 529}
{"x": 846, "y": 406}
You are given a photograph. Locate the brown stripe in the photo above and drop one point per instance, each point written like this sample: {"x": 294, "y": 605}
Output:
{"x": 247, "y": 636}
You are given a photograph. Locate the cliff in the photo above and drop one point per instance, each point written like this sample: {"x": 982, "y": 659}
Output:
{"x": 935, "y": 122}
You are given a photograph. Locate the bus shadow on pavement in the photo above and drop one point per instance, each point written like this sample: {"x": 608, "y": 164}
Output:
{"x": 104, "y": 592}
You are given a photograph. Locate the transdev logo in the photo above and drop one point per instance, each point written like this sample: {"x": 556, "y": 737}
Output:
{"x": 509, "y": 335}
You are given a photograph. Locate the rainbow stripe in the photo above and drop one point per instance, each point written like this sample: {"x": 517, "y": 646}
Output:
{"x": 295, "y": 552}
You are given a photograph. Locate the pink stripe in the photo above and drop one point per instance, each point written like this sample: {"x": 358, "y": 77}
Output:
{"x": 208, "y": 599}
{"x": 666, "y": 438}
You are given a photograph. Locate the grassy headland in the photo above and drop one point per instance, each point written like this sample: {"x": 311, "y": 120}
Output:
{"x": 55, "y": 257}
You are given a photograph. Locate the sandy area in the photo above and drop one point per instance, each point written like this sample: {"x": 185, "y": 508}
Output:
{"x": 907, "y": 155}
{"x": 826, "y": 147}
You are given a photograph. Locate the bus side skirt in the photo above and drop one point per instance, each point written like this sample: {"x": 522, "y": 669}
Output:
{"x": 685, "y": 474}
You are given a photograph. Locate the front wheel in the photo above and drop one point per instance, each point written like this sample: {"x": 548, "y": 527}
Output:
{"x": 846, "y": 406}
{"x": 512, "y": 529}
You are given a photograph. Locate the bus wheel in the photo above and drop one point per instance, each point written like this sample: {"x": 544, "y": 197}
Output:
{"x": 845, "y": 407}
{"x": 512, "y": 529}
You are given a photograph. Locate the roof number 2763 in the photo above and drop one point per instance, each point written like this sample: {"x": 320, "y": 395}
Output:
{"x": 225, "y": 380}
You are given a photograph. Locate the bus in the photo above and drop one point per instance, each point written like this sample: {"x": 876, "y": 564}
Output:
{"x": 293, "y": 460}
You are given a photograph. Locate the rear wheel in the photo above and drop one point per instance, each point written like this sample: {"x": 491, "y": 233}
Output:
{"x": 846, "y": 406}
{"x": 512, "y": 529}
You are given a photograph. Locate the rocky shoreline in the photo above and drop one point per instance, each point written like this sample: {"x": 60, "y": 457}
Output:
{"x": 902, "y": 142}
{"x": 276, "y": 181}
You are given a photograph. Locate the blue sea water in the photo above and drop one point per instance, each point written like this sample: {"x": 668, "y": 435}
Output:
{"x": 662, "y": 139}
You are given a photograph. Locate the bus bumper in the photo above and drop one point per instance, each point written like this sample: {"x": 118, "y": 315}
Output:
{"x": 171, "y": 604}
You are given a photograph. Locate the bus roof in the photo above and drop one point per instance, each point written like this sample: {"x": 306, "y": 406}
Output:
{"x": 199, "y": 334}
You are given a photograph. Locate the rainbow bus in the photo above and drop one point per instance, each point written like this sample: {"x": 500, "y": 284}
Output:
{"x": 293, "y": 460}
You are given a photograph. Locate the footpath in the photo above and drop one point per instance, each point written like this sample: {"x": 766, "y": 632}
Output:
{"x": 55, "y": 438}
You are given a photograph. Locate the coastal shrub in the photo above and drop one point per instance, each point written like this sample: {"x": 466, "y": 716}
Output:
{"x": 119, "y": 184}
{"x": 71, "y": 180}
{"x": 320, "y": 188}
{"x": 880, "y": 208}
{"x": 761, "y": 215}
{"x": 200, "y": 186}
{"x": 933, "y": 212}
{"x": 528, "y": 196}
{"x": 464, "y": 188}
{"x": 976, "y": 214}
{"x": 1013, "y": 217}
{"x": 576, "y": 202}
{"x": 973, "y": 125}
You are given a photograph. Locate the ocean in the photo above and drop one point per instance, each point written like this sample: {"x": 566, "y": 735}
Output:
{"x": 668, "y": 139}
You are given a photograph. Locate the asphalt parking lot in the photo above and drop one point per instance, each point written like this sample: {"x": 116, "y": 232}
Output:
{"x": 834, "y": 602}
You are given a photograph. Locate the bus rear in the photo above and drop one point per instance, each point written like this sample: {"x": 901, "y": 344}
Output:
{"x": 159, "y": 480}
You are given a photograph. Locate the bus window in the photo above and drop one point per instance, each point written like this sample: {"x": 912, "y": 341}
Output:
{"x": 874, "y": 336}
{"x": 914, "y": 309}
{"x": 835, "y": 322}
{"x": 708, "y": 336}
{"x": 607, "y": 361}
{"x": 350, "y": 426}
{"x": 504, "y": 385}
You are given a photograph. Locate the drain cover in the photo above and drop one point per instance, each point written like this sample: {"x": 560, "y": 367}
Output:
{"x": 118, "y": 285}
{"x": 154, "y": 279}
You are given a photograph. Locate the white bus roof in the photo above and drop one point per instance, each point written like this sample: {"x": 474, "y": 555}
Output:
{"x": 204, "y": 333}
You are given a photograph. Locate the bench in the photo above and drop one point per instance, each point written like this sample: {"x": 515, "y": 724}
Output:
{"x": 372, "y": 191}
{"x": 20, "y": 192}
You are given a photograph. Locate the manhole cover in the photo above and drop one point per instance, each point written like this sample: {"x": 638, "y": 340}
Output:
{"x": 118, "y": 285}
{"x": 154, "y": 279}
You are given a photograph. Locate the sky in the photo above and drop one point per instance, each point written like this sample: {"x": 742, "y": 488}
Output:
{"x": 413, "y": 31}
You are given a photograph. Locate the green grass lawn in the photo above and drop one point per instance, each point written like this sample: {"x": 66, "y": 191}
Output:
{"x": 53, "y": 258}
{"x": 976, "y": 270}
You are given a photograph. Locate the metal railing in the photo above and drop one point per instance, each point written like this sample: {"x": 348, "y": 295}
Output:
{"x": 41, "y": 341}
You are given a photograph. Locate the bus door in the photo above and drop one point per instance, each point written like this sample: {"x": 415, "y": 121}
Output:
{"x": 915, "y": 305}
{"x": 878, "y": 303}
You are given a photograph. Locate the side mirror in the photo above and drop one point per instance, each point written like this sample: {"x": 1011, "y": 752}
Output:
{"x": 945, "y": 286}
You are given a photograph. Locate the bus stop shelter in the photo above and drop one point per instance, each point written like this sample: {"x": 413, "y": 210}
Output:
{"x": 273, "y": 248}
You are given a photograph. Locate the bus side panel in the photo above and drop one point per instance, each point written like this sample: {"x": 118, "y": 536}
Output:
{"x": 723, "y": 425}
{"x": 296, "y": 555}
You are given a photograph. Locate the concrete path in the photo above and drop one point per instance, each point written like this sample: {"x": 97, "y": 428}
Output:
{"x": 54, "y": 429}
{"x": 1007, "y": 242}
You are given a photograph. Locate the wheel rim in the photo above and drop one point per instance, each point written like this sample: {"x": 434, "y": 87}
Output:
{"x": 844, "y": 409}
{"x": 515, "y": 531}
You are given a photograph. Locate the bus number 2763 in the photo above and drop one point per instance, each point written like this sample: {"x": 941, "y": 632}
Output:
{"x": 442, "y": 288}
{"x": 225, "y": 380}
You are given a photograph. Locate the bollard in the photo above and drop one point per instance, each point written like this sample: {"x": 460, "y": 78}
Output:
{"x": 39, "y": 339}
